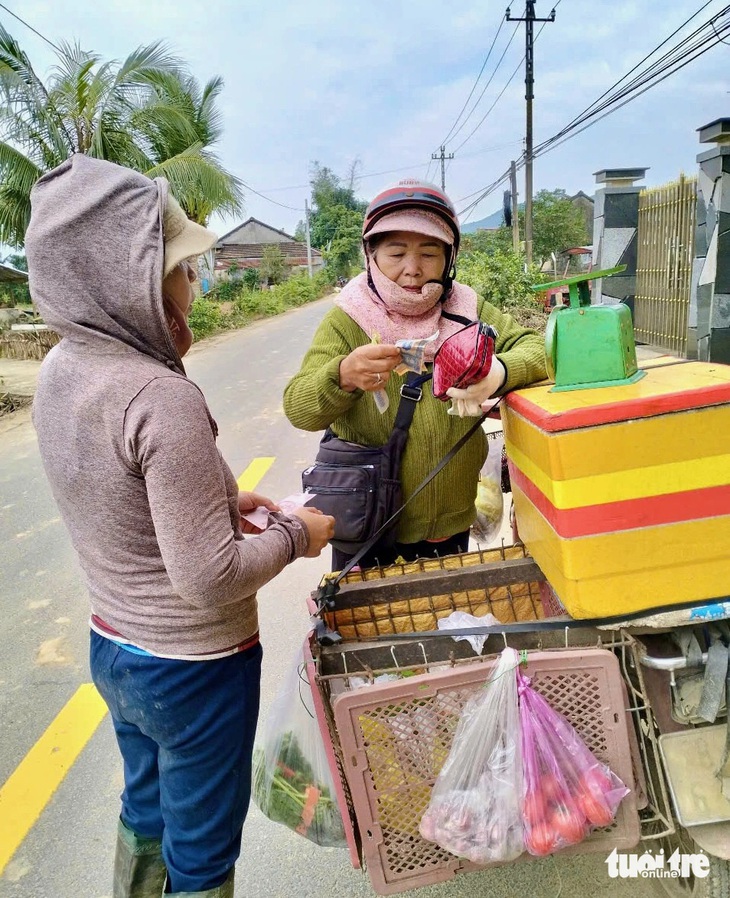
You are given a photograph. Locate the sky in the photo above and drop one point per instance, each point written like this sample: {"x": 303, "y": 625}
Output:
{"x": 381, "y": 84}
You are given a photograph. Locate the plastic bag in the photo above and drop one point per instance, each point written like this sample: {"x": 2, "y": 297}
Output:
{"x": 291, "y": 780}
{"x": 568, "y": 792}
{"x": 490, "y": 501}
{"x": 460, "y": 619}
{"x": 474, "y": 811}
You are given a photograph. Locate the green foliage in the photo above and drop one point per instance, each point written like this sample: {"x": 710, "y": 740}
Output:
{"x": 17, "y": 260}
{"x": 251, "y": 278}
{"x": 487, "y": 241}
{"x": 205, "y": 318}
{"x": 147, "y": 113}
{"x": 282, "y": 786}
{"x": 557, "y": 224}
{"x": 273, "y": 268}
{"x": 500, "y": 278}
{"x": 224, "y": 291}
{"x": 14, "y": 294}
{"x": 336, "y": 220}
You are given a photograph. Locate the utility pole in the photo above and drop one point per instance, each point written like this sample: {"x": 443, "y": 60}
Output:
{"x": 515, "y": 207}
{"x": 309, "y": 240}
{"x": 529, "y": 21}
{"x": 443, "y": 157}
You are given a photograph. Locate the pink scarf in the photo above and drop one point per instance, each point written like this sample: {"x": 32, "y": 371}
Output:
{"x": 399, "y": 315}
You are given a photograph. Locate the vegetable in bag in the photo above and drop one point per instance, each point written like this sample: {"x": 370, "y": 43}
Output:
{"x": 567, "y": 791}
{"x": 474, "y": 811}
{"x": 291, "y": 780}
{"x": 490, "y": 501}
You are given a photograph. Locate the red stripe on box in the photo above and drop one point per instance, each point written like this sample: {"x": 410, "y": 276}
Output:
{"x": 629, "y": 514}
{"x": 613, "y": 412}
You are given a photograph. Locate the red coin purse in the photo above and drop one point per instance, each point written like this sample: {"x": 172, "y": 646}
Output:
{"x": 464, "y": 358}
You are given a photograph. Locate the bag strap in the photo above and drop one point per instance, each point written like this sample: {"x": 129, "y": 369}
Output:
{"x": 459, "y": 318}
{"x": 325, "y": 594}
{"x": 410, "y": 395}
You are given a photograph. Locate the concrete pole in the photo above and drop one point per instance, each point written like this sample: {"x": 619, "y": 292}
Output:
{"x": 309, "y": 239}
{"x": 515, "y": 207}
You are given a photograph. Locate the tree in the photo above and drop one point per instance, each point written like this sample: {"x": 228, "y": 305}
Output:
{"x": 251, "y": 278}
{"x": 273, "y": 266}
{"x": 17, "y": 260}
{"x": 500, "y": 277}
{"x": 336, "y": 219}
{"x": 487, "y": 241}
{"x": 146, "y": 112}
{"x": 557, "y": 224}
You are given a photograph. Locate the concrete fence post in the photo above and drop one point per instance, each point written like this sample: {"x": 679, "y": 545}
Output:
{"x": 615, "y": 226}
{"x": 708, "y": 328}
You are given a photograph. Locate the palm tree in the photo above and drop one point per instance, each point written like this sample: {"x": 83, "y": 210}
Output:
{"x": 147, "y": 113}
{"x": 178, "y": 123}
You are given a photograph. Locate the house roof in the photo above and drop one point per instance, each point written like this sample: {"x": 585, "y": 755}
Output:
{"x": 248, "y": 254}
{"x": 8, "y": 273}
{"x": 257, "y": 221}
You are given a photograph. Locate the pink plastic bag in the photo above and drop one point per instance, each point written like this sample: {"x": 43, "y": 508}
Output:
{"x": 567, "y": 791}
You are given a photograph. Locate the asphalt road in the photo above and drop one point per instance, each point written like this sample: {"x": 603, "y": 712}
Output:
{"x": 68, "y": 851}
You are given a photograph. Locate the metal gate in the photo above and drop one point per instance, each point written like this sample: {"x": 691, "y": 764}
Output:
{"x": 664, "y": 266}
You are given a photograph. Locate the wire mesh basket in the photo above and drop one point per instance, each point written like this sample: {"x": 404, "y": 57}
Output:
{"x": 390, "y": 738}
{"x": 411, "y": 597}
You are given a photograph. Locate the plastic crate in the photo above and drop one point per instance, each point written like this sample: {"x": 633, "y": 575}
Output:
{"x": 394, "y": 738}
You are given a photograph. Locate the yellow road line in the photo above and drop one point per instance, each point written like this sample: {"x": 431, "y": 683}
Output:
{"x": 254, "y": 473}
{"x": 31, "y": 785}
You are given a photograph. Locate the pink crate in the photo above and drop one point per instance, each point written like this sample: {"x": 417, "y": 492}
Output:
{"x": 395, "y": 738}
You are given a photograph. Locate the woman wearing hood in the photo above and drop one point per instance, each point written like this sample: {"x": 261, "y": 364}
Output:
{"x": 411, "y": 241}
{"x": 155, "y": 517}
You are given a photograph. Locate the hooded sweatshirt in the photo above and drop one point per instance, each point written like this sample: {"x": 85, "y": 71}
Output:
{"x": 126, "y": 439}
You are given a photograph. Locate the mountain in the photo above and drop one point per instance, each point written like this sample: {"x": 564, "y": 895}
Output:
{"x": 495, "y": 220}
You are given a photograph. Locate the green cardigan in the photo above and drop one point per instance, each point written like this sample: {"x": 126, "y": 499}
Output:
{"x": 314, "y": 401}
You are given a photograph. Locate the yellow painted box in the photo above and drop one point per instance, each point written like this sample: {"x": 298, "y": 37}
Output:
{"x": 622, "y": 494}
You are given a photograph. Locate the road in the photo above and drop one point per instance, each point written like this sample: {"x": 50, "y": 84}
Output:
{"x": 68, "y": 849}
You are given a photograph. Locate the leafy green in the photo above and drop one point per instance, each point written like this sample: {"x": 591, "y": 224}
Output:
{"x": 284, "y": 788}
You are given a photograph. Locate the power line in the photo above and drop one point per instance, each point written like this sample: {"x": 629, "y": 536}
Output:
{"x": 34, "y": 30}
{"x": 390, "y": 171}
{"x": 509, "y": 81}
{"x": 474, "y": 86}
{"x": 269, "y": 200}
{"x": 685, "y": 51}
{"x": 499, "y": 97}
{"x": 655, "y": 66}
{"x": 491, "y": 78}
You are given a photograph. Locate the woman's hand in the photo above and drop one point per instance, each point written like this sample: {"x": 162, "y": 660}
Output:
{"x": 467, "y": 403}
{"x": 368, "y": 367}
{"x": 319, "y": 526}
{"x": 248, "y": 502}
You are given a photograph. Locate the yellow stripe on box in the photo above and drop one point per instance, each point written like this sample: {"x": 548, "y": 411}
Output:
{"x": 254, "y": 473}
{"x": 631, "y": 570}
{"x": 636, "y": 483}
{"x": 608, "y": 448}
{"x": 32, "y": 784}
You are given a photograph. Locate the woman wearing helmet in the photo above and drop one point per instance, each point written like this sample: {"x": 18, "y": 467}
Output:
{"x": 411, "y": 241}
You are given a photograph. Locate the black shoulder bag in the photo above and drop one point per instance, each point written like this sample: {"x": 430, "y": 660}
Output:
{"x": 360, "y": 485}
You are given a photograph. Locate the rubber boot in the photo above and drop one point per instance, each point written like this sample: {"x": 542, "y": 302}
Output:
{"x": 139, "y": 871}
{"x": 225, "y": 890}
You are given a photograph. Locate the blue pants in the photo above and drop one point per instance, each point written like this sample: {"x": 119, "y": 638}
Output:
{"x": 185, "y": 730}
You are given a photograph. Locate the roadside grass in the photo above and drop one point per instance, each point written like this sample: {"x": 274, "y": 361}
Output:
{"x": 232, "y": 304}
